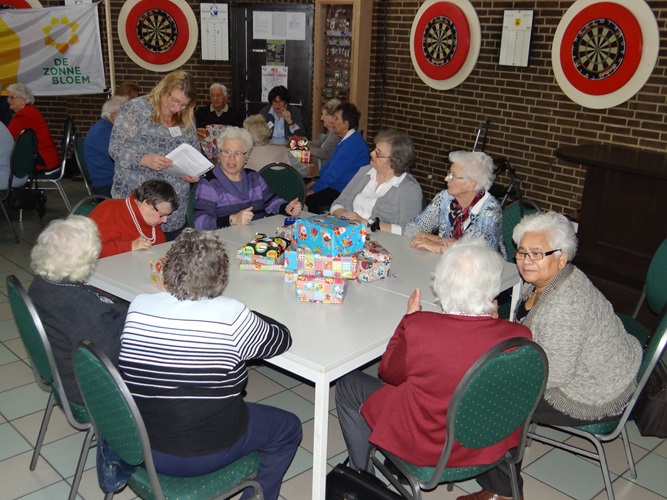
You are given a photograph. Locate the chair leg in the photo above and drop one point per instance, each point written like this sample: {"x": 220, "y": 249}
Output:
{"x": 63, "y": 195}
{"x": 42, "y": 431}
{"x": 605, "y": 468}
{"x": 516, "y": 494}
{"x": 628, "y": 453}
{"x": 9, "y": 221}
{"x": 85, "y": 449}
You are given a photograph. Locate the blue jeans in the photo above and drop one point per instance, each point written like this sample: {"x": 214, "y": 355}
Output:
{"x": 273, "y": 432}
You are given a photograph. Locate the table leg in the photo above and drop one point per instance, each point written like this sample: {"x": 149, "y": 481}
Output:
{"x": 516, "y": 294}
{"x": 320, "y": 437}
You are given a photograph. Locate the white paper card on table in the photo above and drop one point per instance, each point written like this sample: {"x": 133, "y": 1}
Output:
{"x": 188, "y": 161}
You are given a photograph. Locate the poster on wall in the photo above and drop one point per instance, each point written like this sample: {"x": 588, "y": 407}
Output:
{"x": 444, "y": 42}
{"x": 158, "y": 36}
{"x": 272, "y": 76}
{"x": 62, "y": 57}
{"x": 604, "y": 51}
{"x": 269, "y": 25}
{"x": 275, "y": 52}
{"x": 214, "y": 31}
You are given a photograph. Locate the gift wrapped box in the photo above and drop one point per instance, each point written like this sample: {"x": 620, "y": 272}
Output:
{"x": 255, "y": 266}
{"x": 286, "y": 232}
{"x": 371, "y": 270}
{"x": 304, "y": 262}
{"x": 329, "y": 235}
{"x": 209, "y": 143}
{"x": 319, "y": 289}
{"x": 301, "y": 154}
{"x": 374, "y": 251}
{"x": 263, "y": 249}
{"x": 157, "y": 276}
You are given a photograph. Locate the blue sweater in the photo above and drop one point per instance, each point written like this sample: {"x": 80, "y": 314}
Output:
{"x": 351, "y": 154}
{"x": 99, "y": 163}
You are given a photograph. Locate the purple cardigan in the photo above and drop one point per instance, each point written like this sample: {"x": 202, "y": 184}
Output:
{"x": 217, "y": 198}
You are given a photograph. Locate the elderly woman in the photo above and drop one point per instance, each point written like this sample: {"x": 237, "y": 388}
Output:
{"x": 325, "y": 145}
{"x": 284, "y": 118}
{"x": 264, "y": 153}
{"x": 383, "y": 193}
{"x": 183, "y": 355}
{"x": 98, "y": 162}
{"x": 148, "y": 128}
{"x": 466, "y": 207}
{"x": 593, "y": 361}
{"x": 425, "y": 360}
{"x": 63, "y": 259}
{"x": 6, "y": 148}
{"x": 134, "y": 223}
{"x": 231, "y": 195}
{"x": 21, "y": 102}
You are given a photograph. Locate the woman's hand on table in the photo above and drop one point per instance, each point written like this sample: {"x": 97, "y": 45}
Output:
{"x": 294, "y": 207}
{"x": 431, "y": 243}
{"x": 241, "y": 218}
{"x": 141, "y": 243}
{"x": 191, "y": 180}
{"x": 414, "y": 302}
{"x": 352, "y": 216}
{"x": 156, "y": 162}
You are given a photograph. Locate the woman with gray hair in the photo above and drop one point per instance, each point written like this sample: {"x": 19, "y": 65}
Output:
{"x": 21, "y": 102}
{"x": 325, "y": 145}
{"x": 466, "y": 207}
{"x": 404, "y": 410}
{"x": 593, "y": 361}
{"x": 98, "y": 161}
{"x": 264, "y": 153}
{"x": 63, "y": 259}
{"x": 183, "y": 356}
{"x": 233, "y": 195}
{"x": 383, "y": 194}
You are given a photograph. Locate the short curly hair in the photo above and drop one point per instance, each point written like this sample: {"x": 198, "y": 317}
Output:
{"x": 259, "y": 130}
{"x": 402, "y": 155}
{"x": 196, "y": 266}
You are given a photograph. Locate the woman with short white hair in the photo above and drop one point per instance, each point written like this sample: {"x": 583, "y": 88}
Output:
{"x": 63, "y": 260}
{"x": 465, "y": 207}
{"x": 404, "y": 411}
{"x": 264, "y": 153}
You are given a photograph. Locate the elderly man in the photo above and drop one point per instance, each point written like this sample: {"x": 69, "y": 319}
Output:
{"x": 218, "y": 112}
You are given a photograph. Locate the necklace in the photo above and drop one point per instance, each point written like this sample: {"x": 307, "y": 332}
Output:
{"x": 136, "y": 222}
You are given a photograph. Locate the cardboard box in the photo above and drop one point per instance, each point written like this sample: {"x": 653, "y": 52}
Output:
{"x": 329, "y": 235}
{"x": 318, "y": 289}
{"x": 306, "y": 263}
{"x": 263, "y": 249}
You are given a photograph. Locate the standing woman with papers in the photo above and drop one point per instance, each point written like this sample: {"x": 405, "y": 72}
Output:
{"x": 146, "y": 130}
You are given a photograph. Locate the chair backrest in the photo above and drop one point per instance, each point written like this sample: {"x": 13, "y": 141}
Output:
{"x": 190, "y": 213}
{"x": 512, "y": 215}
{"x": 497, "y": 395}
{"x": 81, "y": 162}
{"x": 24, "y": 155}
{"x": 87, "y": 204}
{"x": 285, "y": 181}
{"x": 656, "y": 280}
{"x": 39, "y": 350}
{"x": 68, "y": 132}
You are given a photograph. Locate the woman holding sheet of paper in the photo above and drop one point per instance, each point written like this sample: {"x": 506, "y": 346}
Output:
{"x": 145, "y": 131}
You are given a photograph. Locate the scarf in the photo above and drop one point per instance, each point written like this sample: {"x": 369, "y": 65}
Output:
{"x": 458, "y": 215}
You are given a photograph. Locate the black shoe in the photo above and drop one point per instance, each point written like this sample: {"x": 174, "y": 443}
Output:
{"x": 395, "y": 472}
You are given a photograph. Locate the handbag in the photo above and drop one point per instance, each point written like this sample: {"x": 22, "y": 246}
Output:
{"x": 27, "y": 198}
{"x": 650, "y": 411}
{"x": 112, "y": 471}
{"x": 345, "y": 483}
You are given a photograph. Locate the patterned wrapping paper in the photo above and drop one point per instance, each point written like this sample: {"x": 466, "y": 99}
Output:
{"x": 302, "y": 155}
{"x": 263, "y": 249}
{"x": 303, "y": 262}
{"x": 318, "y": 289}
{"x": 286, "y": 232}
{"x": 374, "y": 251}
{"x": 157, "y": 276}
{"x": 371, "y": 270}
{"x": 329, "y": 235}
{"x": 254, "y": 266}
{"x": 209, "y": 143}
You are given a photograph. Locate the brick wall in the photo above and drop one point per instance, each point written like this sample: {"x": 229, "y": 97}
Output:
{"x": 530, "y": 116}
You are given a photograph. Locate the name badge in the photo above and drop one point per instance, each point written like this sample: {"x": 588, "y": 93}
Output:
{"x": 175, "y": 131}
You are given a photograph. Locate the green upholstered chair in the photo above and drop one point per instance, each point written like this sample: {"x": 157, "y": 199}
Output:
{"x": 116, "y": 418}
{"x": 190, "y": 213}
{"x": 87, "y": 204}
{"x": 285, "y": 181}
{"x": 55, "y": 176}
{"x": 654, "y": 293}
{"x": 497, "y": 396}
{"x": 610, "y": 430}
{"x": 512, "y": 215}
{"x": 46, "y": 374}
{"x": 81, "y": 162}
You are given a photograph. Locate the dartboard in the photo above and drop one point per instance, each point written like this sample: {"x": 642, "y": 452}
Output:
{"x": 445, "y": 42}
{"x": 603, "y": 52}
{"x": 157, "y": 30}
{"x": 440, "y": 40}
{"x": 598, "y": 49}
{"x": 159, "y": 36}
{"x": 20, "y": 4}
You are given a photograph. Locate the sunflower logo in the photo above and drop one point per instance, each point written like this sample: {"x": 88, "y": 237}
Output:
{"x": 71, "y": 36}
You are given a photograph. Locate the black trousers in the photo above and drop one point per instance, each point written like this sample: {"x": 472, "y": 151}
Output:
{"x": 321, "y": 201}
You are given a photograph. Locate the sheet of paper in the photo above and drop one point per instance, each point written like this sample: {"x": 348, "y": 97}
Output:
{"x": 188, "y": 161}
{"x": 214, "y": 32}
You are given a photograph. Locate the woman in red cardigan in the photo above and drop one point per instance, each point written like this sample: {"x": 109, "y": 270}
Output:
{"x": 21, "y": 101}
{"x": 404, "y": 411}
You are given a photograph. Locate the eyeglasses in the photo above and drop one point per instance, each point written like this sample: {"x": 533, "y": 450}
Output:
{"x": 378, "y": 154}
{"x": 450, "y": 176}
{"x": 176, "y": 101}
{"x": 237, "y": 155}
{"x": 533, "y": 255}
{"x": 12, "y": 97}
{"x": 160, "y": 214}
{"x": 278, "y": 100}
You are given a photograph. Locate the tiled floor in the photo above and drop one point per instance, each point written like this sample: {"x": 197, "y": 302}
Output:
{"x": 548, "y": 473}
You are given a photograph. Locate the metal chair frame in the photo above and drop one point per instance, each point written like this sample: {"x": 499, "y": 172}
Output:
{"x": 87, "y": 204}
{"x": 81, "y": 162}
{"x": 56, "y": 176}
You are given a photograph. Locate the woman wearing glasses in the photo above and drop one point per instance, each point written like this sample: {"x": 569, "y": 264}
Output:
{"x": 148, "y": 128}
{"x": 593, "y": 361}
{"x": 232, "y": 195}
{"x": 383, "y": 193}
{"x": 465, "y": 207}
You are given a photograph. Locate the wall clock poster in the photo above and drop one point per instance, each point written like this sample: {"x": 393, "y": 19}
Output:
{"x": 20, "y": 4}
{"x": 158, "y": 35}
{"x": 444, "y": 42}
{"x": 604, "y": 51}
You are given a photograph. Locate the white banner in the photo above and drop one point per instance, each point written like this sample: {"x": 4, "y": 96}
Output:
{"x": 54, "y": 50}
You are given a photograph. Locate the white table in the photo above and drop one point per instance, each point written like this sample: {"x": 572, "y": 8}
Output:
{"x": 329, "y": 340}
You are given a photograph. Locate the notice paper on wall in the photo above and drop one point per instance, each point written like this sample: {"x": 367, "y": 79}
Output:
{"x": 515, "y": 43}
{"x": 278, "y": 25}
{"x": 214, "y": 31}
{"x": 272, "y": 76}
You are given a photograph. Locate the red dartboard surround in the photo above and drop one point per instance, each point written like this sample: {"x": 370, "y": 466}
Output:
{"x": 20, "y": 4}
{"x": 604, "y": 51}
{"x": 444, "y": 42}
{"x": 158, "y": 35}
